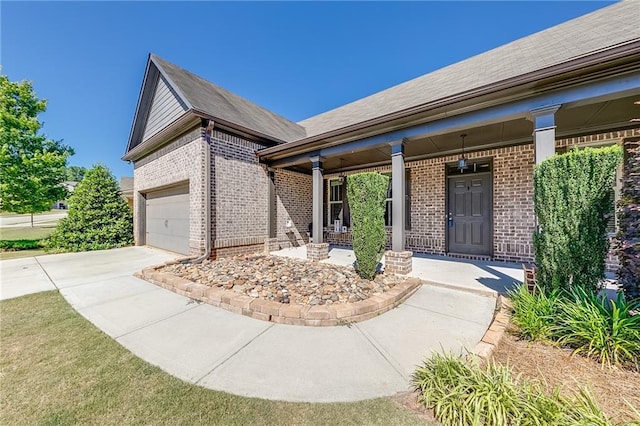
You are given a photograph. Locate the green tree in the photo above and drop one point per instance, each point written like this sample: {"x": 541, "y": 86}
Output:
{"x": 32, "y": 167}
{"x": 366, "y": 193}
{"x": 572, "y": 199}
{"x": 99, "y": 217}
{"x": 75, "y": 173}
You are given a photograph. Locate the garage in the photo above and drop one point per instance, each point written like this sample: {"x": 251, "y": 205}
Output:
{"x": 167, "y": 219}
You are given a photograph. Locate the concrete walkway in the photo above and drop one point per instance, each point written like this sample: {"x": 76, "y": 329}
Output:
{"x": 220, "y": 350}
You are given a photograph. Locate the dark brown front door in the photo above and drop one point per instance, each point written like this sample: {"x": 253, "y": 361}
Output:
{"x": 469, "y": 214}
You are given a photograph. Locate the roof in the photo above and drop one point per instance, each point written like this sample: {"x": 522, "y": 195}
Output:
{"x": 205, "y": 97}
{"x": 605, "y": 28}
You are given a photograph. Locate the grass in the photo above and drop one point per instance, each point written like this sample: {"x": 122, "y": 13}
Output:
{"x": 20, "y": 242}
{"x": 57, "y": 368}
{"x": 26, "y": 233}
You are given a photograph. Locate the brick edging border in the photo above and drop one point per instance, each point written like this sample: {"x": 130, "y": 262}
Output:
{"x": 267, "y": 310}
{"x": 489, "y": 342}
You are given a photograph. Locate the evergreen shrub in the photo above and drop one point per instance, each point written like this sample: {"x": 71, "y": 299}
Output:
{"x": 366, "y": 193}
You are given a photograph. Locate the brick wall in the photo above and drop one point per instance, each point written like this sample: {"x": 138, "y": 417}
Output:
{"x": 181, "y": 160}
{"x": 294, "y": 194}
{"x": 239, "y": 195}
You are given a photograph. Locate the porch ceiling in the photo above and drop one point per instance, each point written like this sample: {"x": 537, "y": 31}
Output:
{"x": 571, "y": 120}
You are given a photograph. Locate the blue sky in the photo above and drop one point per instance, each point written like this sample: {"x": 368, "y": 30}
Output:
{"x": 296, "y": 59}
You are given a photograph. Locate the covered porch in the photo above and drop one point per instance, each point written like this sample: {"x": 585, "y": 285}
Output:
{"x": 461, "y": 180}
{"x": 481, "y": 277}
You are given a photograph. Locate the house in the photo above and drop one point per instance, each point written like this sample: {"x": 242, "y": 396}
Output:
{"x": 69, "y": 186}
{"x": 217, "y": 175}
{"x": 126, "y": 189}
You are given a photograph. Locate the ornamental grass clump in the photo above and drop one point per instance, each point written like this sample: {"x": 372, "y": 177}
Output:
{"x": 467, "y": 393}
{"x": 99, "y": 217}
{"x": 572, "y": 201}
{"x": 366, "y": 193}
{"x": 592, "y": 325}
{"x": 534, "y": 312}
{"x": 598, "y": 327}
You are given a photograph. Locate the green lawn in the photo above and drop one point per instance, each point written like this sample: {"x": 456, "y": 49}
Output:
{"x": 26, "y": 233}
{"x": 57, "y": 368}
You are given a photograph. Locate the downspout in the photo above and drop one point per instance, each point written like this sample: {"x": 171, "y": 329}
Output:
{"x": 208, "y": 135}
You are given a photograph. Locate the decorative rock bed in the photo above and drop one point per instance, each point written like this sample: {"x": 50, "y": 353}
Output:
{"x": 284, "y": 290}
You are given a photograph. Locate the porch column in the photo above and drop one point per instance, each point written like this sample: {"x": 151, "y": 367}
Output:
{"x": 398, "y": 261}
{"x": 317, "y": 250}
{"x": 398, "y": 194}
{"x": 544, "y": 131}
{"x": 271, "y": 242}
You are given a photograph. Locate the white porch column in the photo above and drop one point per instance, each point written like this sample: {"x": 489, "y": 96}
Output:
{"x": 544, "y": 131}
{"x": 398, "y": 195}
{"x": 317, "y": 163}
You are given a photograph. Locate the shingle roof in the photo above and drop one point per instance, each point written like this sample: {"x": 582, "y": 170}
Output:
{"x": 218, "y": 102}
{"x": 587, "y": 34}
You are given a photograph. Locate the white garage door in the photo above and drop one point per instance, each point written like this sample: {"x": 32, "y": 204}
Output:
{"x": 167, "y": 219}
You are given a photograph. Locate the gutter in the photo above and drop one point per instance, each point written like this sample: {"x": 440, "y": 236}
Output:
{"x": 208, "y": 134}
{"x": 595, "y": 58}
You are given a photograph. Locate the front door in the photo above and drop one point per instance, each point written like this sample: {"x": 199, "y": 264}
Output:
{"x": 469, "y": 213}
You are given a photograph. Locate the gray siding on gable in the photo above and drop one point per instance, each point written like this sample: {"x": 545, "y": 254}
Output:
{"x": 165, "y": 108}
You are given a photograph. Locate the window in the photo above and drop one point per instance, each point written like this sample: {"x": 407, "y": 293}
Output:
{"x": 338, "y": 205}
{"x": 336, "y": 196}
{"x": 388, "y": 211}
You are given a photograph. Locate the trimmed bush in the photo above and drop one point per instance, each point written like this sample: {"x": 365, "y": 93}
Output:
{"x": 572, "y": 197}
{"x": 366, "y": 193}
{"x": 628, "y": 244}
{"x": 99, "y": 217}
{"x": 461, "y": 393}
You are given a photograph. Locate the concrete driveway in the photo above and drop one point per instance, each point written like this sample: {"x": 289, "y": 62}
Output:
{"x": 224, "y": 351}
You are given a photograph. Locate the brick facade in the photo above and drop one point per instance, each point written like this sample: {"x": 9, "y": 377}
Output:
{"x": 240, "y": 186}
{"x": 513, "y": 217}
{"x": 181, "y": 160}
{"x": 293, "y": 203}
{"x": 240, "y": 200}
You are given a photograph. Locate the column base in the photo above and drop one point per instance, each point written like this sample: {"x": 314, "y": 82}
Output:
{"x": 271, "y": 244}
{"x": 317, "y": 251}
{"x": 398, "y": 262}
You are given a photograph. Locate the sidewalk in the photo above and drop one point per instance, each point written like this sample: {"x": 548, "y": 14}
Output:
{"x": 224, "y": 351}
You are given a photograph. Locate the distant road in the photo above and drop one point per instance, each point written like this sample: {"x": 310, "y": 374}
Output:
{"x": 22, "y": 220}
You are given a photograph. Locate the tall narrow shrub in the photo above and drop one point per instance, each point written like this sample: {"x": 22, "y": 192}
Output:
{"x": 628, "y": 239}
{"x": 366, "y": 193}
{"x": 99, "y": 217}
{"x": 572, "y": 197}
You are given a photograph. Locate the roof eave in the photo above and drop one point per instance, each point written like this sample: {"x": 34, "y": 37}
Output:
{"x": 629, "y": 48}
{"x": 157, "y": 140}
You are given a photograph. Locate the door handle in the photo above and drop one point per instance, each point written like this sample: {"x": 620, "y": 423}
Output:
{"x": 450, "y": 220}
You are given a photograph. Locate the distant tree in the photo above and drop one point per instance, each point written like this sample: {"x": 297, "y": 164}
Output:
{"x": 32, "y": 167}
{"x": 99, "y": 217}
{"x": 76, "y": 173}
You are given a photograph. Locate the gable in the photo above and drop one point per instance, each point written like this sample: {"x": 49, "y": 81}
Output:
{"x": 165, "y": 108}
